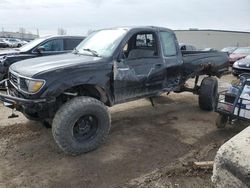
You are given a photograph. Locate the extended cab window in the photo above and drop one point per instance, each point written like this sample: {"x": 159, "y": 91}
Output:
{"x": 168, "y": 43}
{"x": 70, "y": 44}
{"x": 141, "y": 45}
{"x": 53, "y": 45}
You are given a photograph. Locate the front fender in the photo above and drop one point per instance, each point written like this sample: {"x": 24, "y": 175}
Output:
{"x": 99, "y": 79}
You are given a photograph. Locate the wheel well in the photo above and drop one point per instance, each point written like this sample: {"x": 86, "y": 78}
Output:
{"x": 85, "y": 90}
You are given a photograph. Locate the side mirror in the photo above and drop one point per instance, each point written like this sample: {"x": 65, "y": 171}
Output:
{"x": 121, "y": 57}
{"x": 40, "y": 49}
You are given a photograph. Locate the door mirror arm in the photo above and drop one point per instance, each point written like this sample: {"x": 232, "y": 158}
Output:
{"x": 121, "y": 57}
{"x": 40, "y": 49}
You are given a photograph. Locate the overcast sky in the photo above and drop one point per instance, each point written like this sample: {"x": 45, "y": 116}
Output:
{"x": 79, "y": 16}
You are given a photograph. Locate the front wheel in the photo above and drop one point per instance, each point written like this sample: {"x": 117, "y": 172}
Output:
{"x": 235, "y": 74}
{"x": 207, "y": 93}
{"x": 81, "y": 125}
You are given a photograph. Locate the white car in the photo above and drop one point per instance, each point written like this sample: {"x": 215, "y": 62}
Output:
{"x": 14, "y": 43}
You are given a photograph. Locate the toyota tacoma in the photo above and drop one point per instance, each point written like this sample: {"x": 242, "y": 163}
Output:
{"x": 73, "y": 91}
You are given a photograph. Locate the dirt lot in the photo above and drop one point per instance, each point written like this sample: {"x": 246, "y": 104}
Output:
{"x": 147, "y": 147}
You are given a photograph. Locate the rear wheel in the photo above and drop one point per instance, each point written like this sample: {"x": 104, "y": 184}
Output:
{"x": 47, "y": 124}
{"x": 207, "y": 93}
{"x": 81, "y": 125}
{"x": 221, "y": 121}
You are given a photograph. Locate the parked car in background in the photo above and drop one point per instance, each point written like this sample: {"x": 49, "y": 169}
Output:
{"x": 10, "y": 44}
{"x": 15, "y": 43}
{"x": 19, "y": 43}
{"x": 241, "y": 66}
{"x": 229, "y": 50}
{"x": 3, "y": 44}
{"x": 40, "y": 47}
{"x": 187, "y": 47}
{"x": 238, "y": 54}
{"x": 208, "y": 49}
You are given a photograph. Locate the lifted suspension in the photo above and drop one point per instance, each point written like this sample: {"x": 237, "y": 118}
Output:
{"x": 195, "y": 89}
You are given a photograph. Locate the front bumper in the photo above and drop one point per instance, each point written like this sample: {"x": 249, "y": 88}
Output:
{"x": 8, "y": 98}
{"x": 237, "y": 70}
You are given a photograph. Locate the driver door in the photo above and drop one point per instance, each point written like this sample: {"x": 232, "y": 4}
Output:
{"x": 141, "y": 71}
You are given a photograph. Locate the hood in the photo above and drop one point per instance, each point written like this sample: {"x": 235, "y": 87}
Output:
{"x": 31, "y": 67}
{"x": 234, "y": 56}
{"x": 9, "y": 52}
{"x": 244, "y": 63}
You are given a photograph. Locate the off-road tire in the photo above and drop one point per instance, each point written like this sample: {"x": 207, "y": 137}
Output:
{"x": 67, "y": 117}
{"x": 221, "y": 121}
{"x": 207, "y": 93}
{"x": 235, "y": 74}
{"x": 47, "y": 124}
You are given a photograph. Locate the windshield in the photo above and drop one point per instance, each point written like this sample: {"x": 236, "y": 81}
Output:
{"x": 101, "y": 43}
{"x": 242, "y": 51}
{"x": 31, "y": 44}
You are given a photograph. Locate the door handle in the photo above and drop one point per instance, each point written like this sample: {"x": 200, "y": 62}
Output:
{"x": 123, "y": 69}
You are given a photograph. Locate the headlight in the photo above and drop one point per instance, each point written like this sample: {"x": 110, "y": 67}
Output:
{"x": 2, "y": 58}
{"x": 31, "y": 86}
{"x": 236, "y": 64}
{"x": 240, "y": 63}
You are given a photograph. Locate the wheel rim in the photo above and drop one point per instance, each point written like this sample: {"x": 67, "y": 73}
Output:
{"x": 85, "y": 128}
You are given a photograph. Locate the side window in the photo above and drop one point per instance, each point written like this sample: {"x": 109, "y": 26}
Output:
{"x": 144, "y": 40}
{"x": 53, "y": 45}
{"x": 183, "y": 48}
{"x": 141, "y": 45}
{"x": 70, "y": 44}
{"x": 168, "y": 44}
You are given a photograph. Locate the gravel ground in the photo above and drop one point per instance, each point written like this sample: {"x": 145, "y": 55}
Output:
{"x": 147, "y": 147}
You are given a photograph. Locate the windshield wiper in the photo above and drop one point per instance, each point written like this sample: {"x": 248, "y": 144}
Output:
{"x": 92, "y": 51}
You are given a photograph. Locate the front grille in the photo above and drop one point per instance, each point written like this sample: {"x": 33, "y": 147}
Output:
{"x": 23, "y": 84}
{"x": 13, "y": 79}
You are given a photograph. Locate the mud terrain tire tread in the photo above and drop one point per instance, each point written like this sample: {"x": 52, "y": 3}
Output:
{"x": 66, "y": 117}
{"x": 207, "y": 93}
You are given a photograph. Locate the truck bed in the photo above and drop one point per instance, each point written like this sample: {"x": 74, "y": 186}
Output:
{"x": 212, "y": 63}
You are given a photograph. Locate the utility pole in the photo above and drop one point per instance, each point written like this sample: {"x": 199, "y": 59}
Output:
{"x": 37, "y": 32}
{"x": 2, "y": 31}
{"x": 61, "y": 31}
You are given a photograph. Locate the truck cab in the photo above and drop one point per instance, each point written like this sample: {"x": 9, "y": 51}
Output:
{"x": 145, "y": 65}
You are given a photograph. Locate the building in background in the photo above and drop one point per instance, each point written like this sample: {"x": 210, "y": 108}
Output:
{"x": 19, "y": 35}
{"x": 216, "y": 39}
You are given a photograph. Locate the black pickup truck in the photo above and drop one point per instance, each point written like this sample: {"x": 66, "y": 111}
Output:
{"x": 111, "y": 66}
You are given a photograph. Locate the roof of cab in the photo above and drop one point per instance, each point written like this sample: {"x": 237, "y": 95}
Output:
{"x": 62, "y": 36}
{"x": 156, "y": 28}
